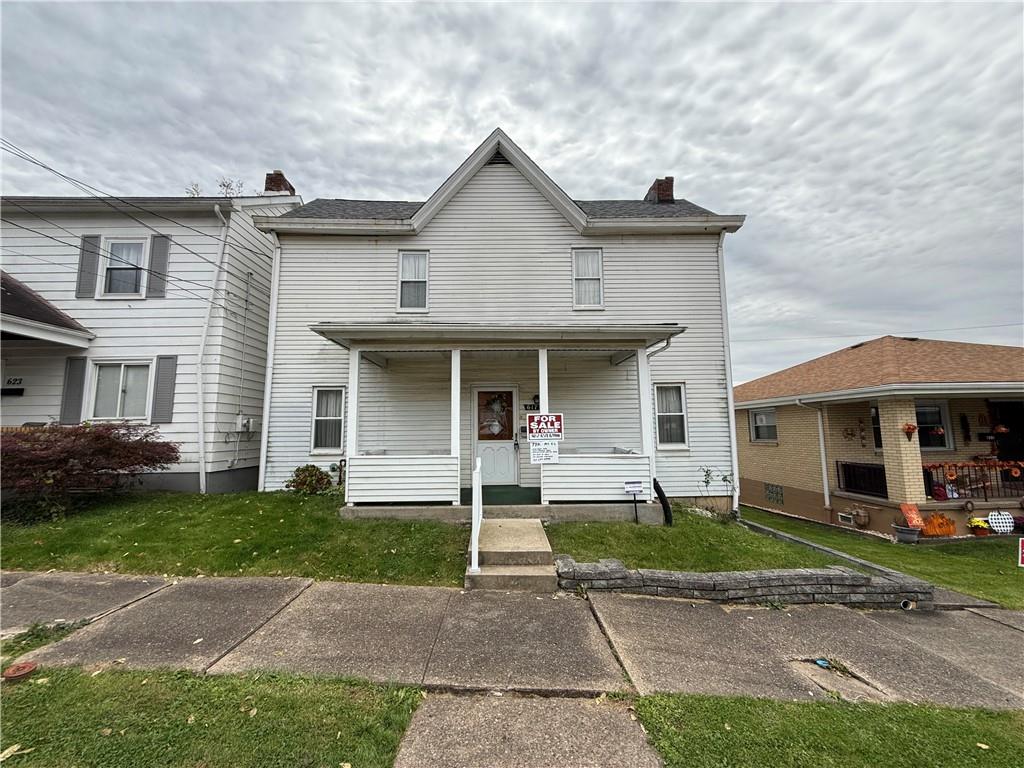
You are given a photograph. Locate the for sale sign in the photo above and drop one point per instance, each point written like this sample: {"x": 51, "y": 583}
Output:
{"x": 544, "y": 426}
{"x": 544, "y": 452}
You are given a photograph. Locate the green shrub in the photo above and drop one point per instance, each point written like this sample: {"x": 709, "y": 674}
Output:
{"x": 310, "y": 479}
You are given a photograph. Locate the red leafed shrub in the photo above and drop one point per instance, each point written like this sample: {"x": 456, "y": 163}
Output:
{"x": 45, "y": 465}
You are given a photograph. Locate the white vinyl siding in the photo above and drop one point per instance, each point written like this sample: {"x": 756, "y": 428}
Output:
{"x": 498, "y": 253}
{"x": 587, "y": 278}
{"x": 413, "y": 271}
{"x": 595, "y": 478}
{"x": 763, "y": 428}
{"x": 670, "y": 411}
{"x": 121, "y": 391}
{"x": 124, "y": 268}
{"x": 328, "y": 433}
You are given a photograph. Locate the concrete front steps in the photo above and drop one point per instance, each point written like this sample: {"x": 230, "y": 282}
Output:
{"x": 514, "y": 555}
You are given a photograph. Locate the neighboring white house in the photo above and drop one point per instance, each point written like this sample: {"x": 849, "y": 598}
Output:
{"x": 109, "y": 303}
{"x": 409, "y": 338}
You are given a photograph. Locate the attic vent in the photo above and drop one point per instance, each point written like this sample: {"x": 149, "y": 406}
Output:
{"x": 857, "y": 345}
{"x": 911, "y": 338}
{"x": 498, "y": 159}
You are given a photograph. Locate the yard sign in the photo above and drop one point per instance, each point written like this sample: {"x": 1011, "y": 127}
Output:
{"x": 1020, "y": 552}
{"x": 544, "y": 426}
{"x": 544, "y": 452}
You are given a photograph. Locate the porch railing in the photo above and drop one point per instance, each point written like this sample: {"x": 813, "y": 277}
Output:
{"x": 982, "y": 480}
{"x": 866, "y": 479}
{"x": 478, "y": 520}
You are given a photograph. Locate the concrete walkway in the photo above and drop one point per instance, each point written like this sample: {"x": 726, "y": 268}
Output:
{"x": 527, "y": 669}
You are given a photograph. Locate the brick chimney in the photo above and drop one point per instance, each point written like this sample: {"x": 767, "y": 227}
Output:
{"x": 660, "y": 191}
{"x": 277, "y": 184}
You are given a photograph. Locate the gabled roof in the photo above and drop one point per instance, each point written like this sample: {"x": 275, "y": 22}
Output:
{"x": 893, "y": 362}
{"x": 25, "y": 313}
{"x": 396, "y": 217}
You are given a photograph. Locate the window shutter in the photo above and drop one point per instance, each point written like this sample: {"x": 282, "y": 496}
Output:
{"x": 88, "y": 267}
{"x": 163, "y": 390}
{"x": 73, "y": 391}
{"x": 156, "y": 284}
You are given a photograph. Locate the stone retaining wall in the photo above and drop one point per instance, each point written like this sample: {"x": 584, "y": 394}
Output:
{"x": 835, "y": 584}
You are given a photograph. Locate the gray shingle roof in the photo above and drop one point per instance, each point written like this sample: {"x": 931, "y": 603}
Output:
{"x": 324, "y": 208}
{"x": 18, "y": 300}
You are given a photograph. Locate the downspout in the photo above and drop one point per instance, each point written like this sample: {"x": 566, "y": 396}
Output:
{"x": 821, "y": 450}
{"x": 730, "y": 404}
{"x": 275, "y": 280}
{"x": 200, "y": 399}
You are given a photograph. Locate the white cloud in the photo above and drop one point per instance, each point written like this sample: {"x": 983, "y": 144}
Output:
{"x": 877, "y": 149}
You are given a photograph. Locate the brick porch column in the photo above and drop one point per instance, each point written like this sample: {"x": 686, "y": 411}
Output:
{"x": 903, "y": 472}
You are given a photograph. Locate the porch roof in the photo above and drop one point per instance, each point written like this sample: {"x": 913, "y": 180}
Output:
{"x": 405, "y": 334}
{"x": 26, "y": 314}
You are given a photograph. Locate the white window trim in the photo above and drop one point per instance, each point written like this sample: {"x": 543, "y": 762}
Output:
{"x": 600, "y": 278}
{"x": 398, "y": 285}
{"x": 93, "y": 381}
{"x": 313, "y": 418}
{"x": 684, "y": 446}
{"x": 947, "y": 425}
{"x": 106, "y": 261}
{"x": 750, "y": 422}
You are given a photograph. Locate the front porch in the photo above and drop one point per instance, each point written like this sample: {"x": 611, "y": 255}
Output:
{"x": 957, "y": 455}
{"x": 421, "y": 410}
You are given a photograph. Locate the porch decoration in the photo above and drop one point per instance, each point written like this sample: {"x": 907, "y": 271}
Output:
{"x": 1000, "y": 521}
{"x": 938, "y": 525}
{"x": 938, "y": 431}
{"x": 907, "y": 524}
{"x": 978, "y": 526}
{"x": 1001, "y": 429}
{"x": 909, "y": 430}
{"x": 951, "y": 474}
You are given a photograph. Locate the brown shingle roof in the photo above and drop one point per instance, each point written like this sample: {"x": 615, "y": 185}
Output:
{"x": 18, "y": 300}
{"x": 890, "y": 360}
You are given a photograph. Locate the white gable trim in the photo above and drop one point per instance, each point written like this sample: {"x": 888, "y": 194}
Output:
{"x": 522, "y": 163}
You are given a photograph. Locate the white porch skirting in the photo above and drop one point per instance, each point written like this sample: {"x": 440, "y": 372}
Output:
{"x": 594, "y": 478}
{"x": 380, "y": 479}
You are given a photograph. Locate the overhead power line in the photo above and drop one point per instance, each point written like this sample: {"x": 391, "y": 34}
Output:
{"x": 893, "y": 333}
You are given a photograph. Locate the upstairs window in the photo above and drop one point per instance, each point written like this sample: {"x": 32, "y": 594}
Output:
{"x": 671, "y": 404}
{"x": 762, "y": 426}
{"x": 412, "y": 280}
{"x": 122, "y": 391}
{"x": 587, "y": 278}
{"x": 123, "y": 267}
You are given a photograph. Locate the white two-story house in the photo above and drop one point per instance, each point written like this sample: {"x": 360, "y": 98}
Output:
{"x": 409, "y": 339}
{"x": 145, "y": 309}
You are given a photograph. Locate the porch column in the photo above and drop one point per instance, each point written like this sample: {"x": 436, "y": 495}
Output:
{"x": 903, "y": 471}
{"x": 352, "y": 413}
{"x": 455, "y": 416}
{"x": 542, "y": 374}
{"x": 643, "y": 377}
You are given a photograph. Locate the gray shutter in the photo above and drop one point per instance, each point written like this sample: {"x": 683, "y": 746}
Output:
{"x": 88, "y": 267}
{"x": 163, "y": 389}
{"x": 73, "y": 392}
{"x": 156, "y": 285}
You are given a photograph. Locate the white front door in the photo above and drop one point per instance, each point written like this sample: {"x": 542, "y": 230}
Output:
{"x": 495, "y": 436}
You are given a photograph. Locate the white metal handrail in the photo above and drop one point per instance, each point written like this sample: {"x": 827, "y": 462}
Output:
{"x": 478, "y": 519}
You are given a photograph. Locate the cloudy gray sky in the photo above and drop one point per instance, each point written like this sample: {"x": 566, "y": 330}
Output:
{"x": 876, "y": 149}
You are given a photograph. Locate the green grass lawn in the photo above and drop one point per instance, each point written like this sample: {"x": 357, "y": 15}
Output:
{"x": 129, "y": 719}
{"x": 983, "y": 567}
{"x": 712, "y": 732}
{"x": 35, "y": 637}
{"x": 694, "y": 543}
{"x": 245, "y": 534}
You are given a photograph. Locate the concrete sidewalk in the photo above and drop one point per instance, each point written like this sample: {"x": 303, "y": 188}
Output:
{"x": 552, "y": 645}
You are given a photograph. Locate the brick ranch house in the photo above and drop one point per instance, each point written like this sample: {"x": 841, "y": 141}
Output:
{"x": 847, "y": 437}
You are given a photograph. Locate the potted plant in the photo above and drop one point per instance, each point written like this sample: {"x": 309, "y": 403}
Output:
{"x": 979, "y": 526}
{"x": 905, "y": 534}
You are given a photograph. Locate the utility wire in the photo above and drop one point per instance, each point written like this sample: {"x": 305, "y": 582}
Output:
{"x": 106, "y": 197}
{"x": 893, "y": 333}
{"x": 104, "y": 251}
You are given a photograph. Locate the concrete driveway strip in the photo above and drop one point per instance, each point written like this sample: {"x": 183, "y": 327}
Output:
{"x": 989, "y": 649}
{"x": 1013, "y": 619}
{"x": 510, "y": 732}
{"x": 10, "y": 578}
{"x": 47, "y": 598}
{"x": 381, "y": 633}
{"x": 188, "y": 625}
{"x": 887, "y": 660}
{"x": 683, "y": 647}
{"x": 524, "y": 642}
